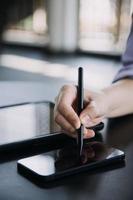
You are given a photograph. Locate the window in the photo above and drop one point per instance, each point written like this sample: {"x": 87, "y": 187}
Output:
{"x": 104, "y": 25}
{"x": 28, "y": 23}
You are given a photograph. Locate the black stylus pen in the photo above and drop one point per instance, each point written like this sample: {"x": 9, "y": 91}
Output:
{"x": 80, "y": 95}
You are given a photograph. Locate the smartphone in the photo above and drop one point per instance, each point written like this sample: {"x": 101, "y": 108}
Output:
{"x": 65, "y": 161}
{"x": 26, "y": 123}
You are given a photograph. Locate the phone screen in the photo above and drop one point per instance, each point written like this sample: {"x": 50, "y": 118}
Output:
{"x": 22, "y": 122}
{"x": 66, "y": 160}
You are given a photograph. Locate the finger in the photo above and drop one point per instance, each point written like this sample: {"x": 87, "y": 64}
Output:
{"x": 70, "y": 115}
{"x": 61, "y": 121}
{"x": 90, "y": 116}
{"x": 72, "y": 134}
{"x": 64, "y": 105}
{"x": 91, "y": 122}
{"x": 91, "y": 110}
{"x": 88, "y": 133}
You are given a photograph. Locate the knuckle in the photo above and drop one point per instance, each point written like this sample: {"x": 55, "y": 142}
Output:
{"x": 93, "y": 105}
{"x": 70, "y": 117}
{"x": 68, "y": 88}
{"x": 93, "y": 110}
{"x": 57, "y": 118}
{"x": 65, "y": 87}
{"x": 73, "y": 119}
{"x": 61, "y": 107}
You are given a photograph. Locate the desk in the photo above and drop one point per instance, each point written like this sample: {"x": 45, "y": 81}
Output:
{"x": 108, "y": 185}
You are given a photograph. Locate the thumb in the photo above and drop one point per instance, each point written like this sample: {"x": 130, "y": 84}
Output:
{"x": 90, "y": 116}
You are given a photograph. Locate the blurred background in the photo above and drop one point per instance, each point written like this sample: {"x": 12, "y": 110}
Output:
{"x": 47, "y": 40}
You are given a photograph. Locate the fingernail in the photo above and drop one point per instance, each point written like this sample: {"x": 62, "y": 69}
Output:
{"x": 77, "y": 125}
{"x": 89, "y": 134}
{"x": 86, "y": 120}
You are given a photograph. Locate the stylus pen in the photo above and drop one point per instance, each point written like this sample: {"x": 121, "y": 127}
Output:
{"x": 80, "y": 96}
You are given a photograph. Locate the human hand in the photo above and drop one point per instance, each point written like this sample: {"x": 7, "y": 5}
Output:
{"x": 95, "y": 108}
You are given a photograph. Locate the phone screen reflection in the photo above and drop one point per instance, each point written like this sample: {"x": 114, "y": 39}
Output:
{"x": 92, "y": 152}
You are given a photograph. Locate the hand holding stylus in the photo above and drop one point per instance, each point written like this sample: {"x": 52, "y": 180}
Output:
{"x": 95, "y": 109}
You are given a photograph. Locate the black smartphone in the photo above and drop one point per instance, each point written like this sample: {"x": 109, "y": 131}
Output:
{"x": 25, "y": 123}
{"x": 66, "y": 161}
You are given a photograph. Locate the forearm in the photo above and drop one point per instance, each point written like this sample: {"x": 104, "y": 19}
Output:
{"x": 119, "y": 97}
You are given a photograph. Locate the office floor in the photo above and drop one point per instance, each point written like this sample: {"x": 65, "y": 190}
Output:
{"x": 53, "y": 70}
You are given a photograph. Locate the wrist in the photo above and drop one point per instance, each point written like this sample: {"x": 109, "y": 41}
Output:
{"x": 107, "y": 102}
